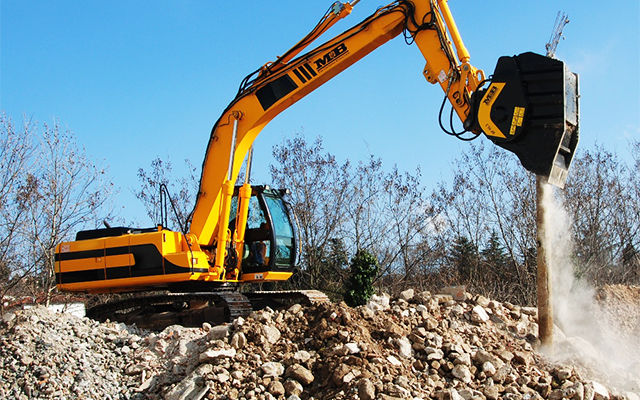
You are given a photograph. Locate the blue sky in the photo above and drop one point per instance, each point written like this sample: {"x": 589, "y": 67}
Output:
{"x": 134, "y": 80}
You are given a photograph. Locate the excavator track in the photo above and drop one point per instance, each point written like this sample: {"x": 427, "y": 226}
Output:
{"x": 187, "y": 309}
{"x": 278, "y": 299}
{"x": 158, "y": 311}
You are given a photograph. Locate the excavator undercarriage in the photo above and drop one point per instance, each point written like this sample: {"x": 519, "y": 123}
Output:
{"x": 157, "y": 310}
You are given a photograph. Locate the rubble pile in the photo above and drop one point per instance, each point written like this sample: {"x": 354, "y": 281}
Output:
{"x": 621, "y": 303}
{"x": 44, "y": 354}
{"x": 447, "y": 346}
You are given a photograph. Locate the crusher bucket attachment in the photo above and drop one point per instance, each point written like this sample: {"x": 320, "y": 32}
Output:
{"x": 531, "y": 109}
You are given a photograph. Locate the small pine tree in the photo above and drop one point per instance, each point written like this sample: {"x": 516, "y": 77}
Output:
{"x": 464, "y": 257}
{"x": 359, "y": 287}
{"x": 493, "y": 255}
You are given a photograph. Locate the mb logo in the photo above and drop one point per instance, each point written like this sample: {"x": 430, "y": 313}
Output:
{"x": 331, "y": 56}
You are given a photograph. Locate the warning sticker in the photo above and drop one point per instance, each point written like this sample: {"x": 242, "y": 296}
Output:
{"x": 516, "y": 121}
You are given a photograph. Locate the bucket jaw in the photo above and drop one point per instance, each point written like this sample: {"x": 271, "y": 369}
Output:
{"x": 531, "y": 109}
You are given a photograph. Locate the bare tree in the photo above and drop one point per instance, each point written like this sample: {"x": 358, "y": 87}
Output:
{"x": 64, "y": 192}
{"x": 389, "y": 215}
{"x": 491, "y": 202}
{"x": 602, "y": 196}
{"x": 361, "y": 208}
{"x": 16, "y": 150}
{"x": 319, "y": 191}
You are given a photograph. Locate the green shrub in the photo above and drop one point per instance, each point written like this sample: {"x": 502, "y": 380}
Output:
{"x": 359, "y": 287}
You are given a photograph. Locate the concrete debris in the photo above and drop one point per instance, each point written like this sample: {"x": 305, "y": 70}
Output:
{"x": 272, "y": 369}
{"x": 458, "y": 293}
{"x": 478, "y": 314}
{"x": 378, "y": 303}
{"x": 407, "y": 295}
{"x": 450, "y": 345}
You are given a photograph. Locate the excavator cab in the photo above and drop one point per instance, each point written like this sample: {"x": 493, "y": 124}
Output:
{"x": 271, "y": 234}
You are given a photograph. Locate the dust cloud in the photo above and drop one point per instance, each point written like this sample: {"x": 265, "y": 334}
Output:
{"x": 584, "y": 332}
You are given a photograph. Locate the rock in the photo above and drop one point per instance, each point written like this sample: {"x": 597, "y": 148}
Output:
{"x": 460, "y": 358}
{"x": 577, "y": 392}
{"x": 458, "y": 293}
{"x": 352, "y": 347}
{"x": 394, "y": 361}
{"x": 445, "y": 299}
{"x": 147, "y": 384}
{"x": 272, "y": 368}
{"x": 423, "y": 310}
{"x": 366, "y": 390}
{"x": 505, "y": 355}
{"x": 522, "y": 358}
{"x": 339, "y": 373}
{"x": 301, "y": 356}
{"x": 263, "y": 316}
{"x": 223, "y": 376}
{"x": 457, "y": 310}
{"x": 404, "y": 347}
{"x": 406, "y": 295}
{"x": 378, "y": 303}
{"x": 491, "y": 392}
{"x": 562, "y": 373}
{"x": 433, "y": 353}
{"x": 8, "y": 317}
{"x": 296, "y": 308}
{"x": 426, "y": 348}
{"x": 135, "y": 369}
{"x": 449, "y": 394}
{"x": 292, "y": 387}
{"x": 238, "y": 340}
{"x": 478, "y": 314}
{"x": 501, "y": 374}
{"x": 557, "y": 394}
{"x": 214, "y": 354}
{"x": 192, "y": 387}
{"x": 238, "y": 322}
{"x": 367, "y": 313}
{"x": 276, "y": 388}
{"x": 383, "y": 396}
{"x": 462, "y": 372}
{"x": 271, "y": 333}
{"x": 482, "y": 301}
{"x": 488, "y": 368}
{"x": 237, "y": 375}
{"x": 431, "y": 323}
{"x": 599, "y": 391}
{"x": 300, "y": 373}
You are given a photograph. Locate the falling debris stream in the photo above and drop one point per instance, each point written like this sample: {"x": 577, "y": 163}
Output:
{"x": 585, "y": 331}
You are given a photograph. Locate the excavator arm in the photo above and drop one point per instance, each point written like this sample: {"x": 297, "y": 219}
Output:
{"x": 503, "y": 111}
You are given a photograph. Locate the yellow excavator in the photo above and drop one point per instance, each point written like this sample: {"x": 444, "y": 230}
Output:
{"x": 247, "y": 234}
